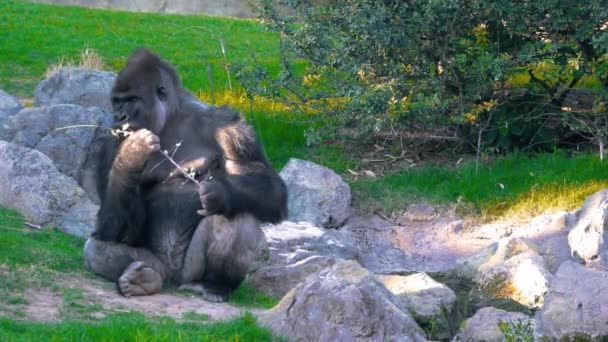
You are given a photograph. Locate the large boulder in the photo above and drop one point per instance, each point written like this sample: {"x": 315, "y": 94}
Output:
{"x": 276, "y": 281}
{"x": 316, "y": 194}
{"x": 290, "y": 243}
{"x": 485, "y": 325}
{"x": 30, "y": 184}
{"x": 426, "y": 299}
{"x": 576, "y": 304}
{"x": 80, "y": 86}
{"x": 343, "y": 302}
{"x": 72, "y": 149}
{"x": 588, "y": 239}
{"x": 9, "y": 106}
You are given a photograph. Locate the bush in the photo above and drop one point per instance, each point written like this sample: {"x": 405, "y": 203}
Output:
{"x": 508, "y": 74}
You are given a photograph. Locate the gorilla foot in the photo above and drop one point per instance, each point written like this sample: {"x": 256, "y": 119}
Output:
{"x": 139, "y": 280}
{"x": 209, "y": 294}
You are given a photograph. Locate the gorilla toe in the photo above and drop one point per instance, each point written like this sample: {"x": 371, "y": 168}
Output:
{"x": 139, "y": 280}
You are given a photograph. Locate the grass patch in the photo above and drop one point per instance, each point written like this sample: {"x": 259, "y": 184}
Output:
{"x": 76, "y": 305}
{"x": 34, "y": 36}
{"x": 135, "y": 327}
{"x": 247, "y": 296}
{"x": 47, "y": 248}
{"x": 517, "y": 185}
{"x": 195, "y": 316}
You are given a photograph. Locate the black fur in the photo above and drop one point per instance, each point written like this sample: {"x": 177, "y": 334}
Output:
{"x": 139, "y": 205}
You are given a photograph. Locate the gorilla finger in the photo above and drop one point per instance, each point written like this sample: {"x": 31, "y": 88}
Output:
{"x": 203, "y": 212}
{"x": 155, "y": 147}
{"x": 152, "y": 139}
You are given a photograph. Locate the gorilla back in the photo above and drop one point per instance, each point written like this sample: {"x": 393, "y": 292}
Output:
{"x": 154, "y": 225}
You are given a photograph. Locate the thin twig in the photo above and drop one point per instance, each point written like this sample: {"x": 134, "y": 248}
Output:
{"x": 80, "y": 126}
{"x": 179, "y": 168}
{"x": 33, "y": 226}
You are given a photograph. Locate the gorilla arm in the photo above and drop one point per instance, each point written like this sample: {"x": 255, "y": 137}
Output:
{"x": 248, "y": 184}
{"x": 121, "y": 215}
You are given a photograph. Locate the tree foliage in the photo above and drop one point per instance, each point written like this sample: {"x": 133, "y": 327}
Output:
{"x": 506, "y": 73}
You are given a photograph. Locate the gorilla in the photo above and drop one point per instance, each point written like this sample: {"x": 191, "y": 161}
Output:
{"x": 154, "y": 225}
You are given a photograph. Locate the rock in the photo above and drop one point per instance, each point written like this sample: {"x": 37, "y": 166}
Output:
{"x": 417, "y": 212}
{"x": 422, "y": 295}
{"x": 576, "y": 304}
{"x": 426, "y": 299}
{"x": 484, "y": 325}
{"x": 9, "y": 106}
{"x": 30, "y": 184}
{"x": 80, "y": 86}
{"x": 523, "y": 278}
{"x": 343, "y": 302}
{"x": 494, "y": 255}
{"x": 72, "y": 150}
{"x": 276, "y": 281}
{"x": 588, "y": 239}
{"x": 290, "y": 243}
{"x": 316, "y": 194}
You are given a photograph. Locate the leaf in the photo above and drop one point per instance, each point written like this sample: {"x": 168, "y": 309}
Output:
{"x": 369, "y": 173}
{"x": 352, "y": 172}
{"x": 501, "y": 186}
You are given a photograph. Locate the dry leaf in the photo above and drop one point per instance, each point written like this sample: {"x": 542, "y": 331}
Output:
{"x": 369, "y": 173}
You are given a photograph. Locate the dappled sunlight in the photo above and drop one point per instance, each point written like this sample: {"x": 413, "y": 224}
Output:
{"x": 239, "y": 100}
{"x": 543, "y": 199}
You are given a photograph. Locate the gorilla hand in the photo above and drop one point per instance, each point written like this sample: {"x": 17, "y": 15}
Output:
{"x": 214, "y": 197}
{"x": 135, "y": 151}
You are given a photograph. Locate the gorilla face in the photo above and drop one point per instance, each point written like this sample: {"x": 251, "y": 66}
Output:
{"x": 144, "y": 93}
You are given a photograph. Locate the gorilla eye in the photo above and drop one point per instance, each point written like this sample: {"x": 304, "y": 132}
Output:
{"x": 162, "y": 92}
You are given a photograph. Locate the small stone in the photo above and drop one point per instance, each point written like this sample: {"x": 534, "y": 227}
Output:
{"x": 484, "y": 325}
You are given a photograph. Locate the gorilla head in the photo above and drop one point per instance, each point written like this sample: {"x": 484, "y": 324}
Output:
{"x": 145, "y": 92}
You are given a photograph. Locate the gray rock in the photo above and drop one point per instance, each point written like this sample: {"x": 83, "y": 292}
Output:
{"x": 9, "y": 106}
{"x": 417, "y": 212}
{"x": 316, "y": 194}
{"x": 73, "y": 149}
{"x": 425, "y": 298}
{"x": 496, "y": 254}
{"x": 343, "y": 302}
{"x": 523, "y": 278}
{"x": 30, "y": 184}
{"x": 588, "y": 239}
{"x": 484, "y": 325}
{"x": 290, "y": 243}
{"x": 576, "y": 304}
{"x": 276, "y": 281}
{"x": 80, "y": 86}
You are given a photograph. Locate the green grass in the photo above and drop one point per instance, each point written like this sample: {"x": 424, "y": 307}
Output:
{"x": 135, "y": 327}
{"x": 515, "y": 185}
{"x": 47, "y": 248}
{"x": 34, "y": 36}
{"x": 247, "y": 296}
{"x": 31, "y": 259}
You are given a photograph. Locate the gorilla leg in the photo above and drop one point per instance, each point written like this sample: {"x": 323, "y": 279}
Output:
{"x": 220, "y": 254}
{"x": 137, "y": 271}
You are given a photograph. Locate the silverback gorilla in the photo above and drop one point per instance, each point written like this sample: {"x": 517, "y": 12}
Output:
{"x": 155, "y": 226}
